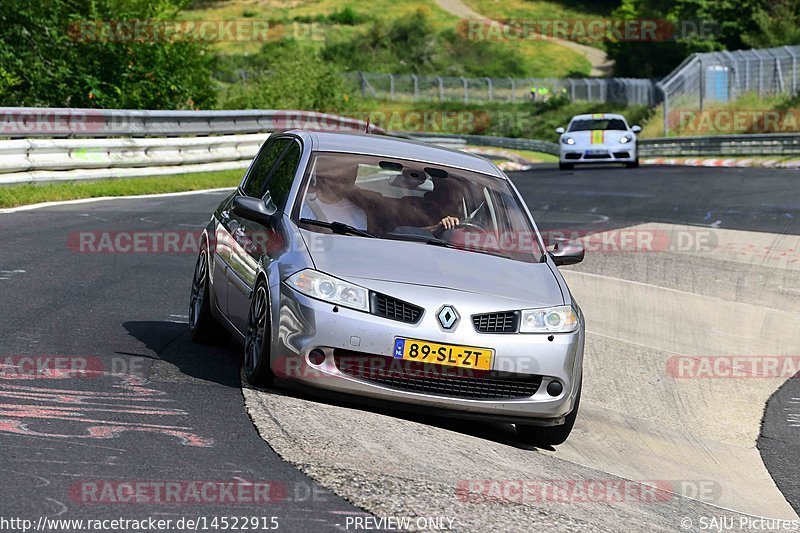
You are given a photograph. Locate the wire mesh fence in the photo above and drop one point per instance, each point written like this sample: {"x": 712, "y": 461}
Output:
{"x": 715, "y": 78}
{"x": 410, "y": 87}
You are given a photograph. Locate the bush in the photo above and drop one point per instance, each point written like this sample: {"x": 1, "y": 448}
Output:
{"x": 49, "y": 59}
{"x": 412, "y": 45}
{"x": 347, "y": 16}
{"x": 288, "y": 76}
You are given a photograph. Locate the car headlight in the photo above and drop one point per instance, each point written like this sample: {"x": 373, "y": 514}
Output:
{"x": 567, "y": 140}
{"x": 324, "y": 287}
{"x": 624, "y": 139}
{"x": 561, "y": 319}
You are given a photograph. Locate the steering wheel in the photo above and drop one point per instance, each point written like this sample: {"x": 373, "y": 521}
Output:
{"x": 470, "y": 225}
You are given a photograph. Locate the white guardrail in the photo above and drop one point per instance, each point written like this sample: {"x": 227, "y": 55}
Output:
{"x": 88, "y": 144}
{"x": 37, "y": 160}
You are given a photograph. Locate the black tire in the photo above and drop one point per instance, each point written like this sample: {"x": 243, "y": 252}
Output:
{"x": 550, "y": 435}
{"x": 203, "y": 326}
{"x": 565, "y": 166}
{"x": 634, "y": 164}
{"x": 258, "y": 337}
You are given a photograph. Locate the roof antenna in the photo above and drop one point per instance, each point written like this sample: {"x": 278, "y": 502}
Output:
{"x": 366, "y": 130}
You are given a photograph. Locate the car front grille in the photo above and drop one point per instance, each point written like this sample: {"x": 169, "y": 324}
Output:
{"x": 622, "y": 155}
{"x": 395, "y": 309}
{"x": 413, "y": 376}
{"x": 505, "y": 322}
{"x": 605, "y": 155}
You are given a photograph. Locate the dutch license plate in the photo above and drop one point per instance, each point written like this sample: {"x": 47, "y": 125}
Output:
{"x": 443, "y": 354}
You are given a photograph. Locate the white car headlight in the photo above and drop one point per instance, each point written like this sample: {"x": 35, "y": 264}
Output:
{"x": 624, "y": 139}
{"x": 561, "y": 319}
{"x": 567, "y": 140}
{"x": 324, "y": 287}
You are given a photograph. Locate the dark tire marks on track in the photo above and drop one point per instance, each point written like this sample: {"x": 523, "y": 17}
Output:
{"x": 125, "y": 312}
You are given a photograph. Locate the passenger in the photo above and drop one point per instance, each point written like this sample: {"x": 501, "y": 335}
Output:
{"x": 331, "y": 196}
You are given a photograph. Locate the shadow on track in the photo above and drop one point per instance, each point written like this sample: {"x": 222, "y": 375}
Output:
{"x": 217, "y": 363}
{"x": 222, "y": 363}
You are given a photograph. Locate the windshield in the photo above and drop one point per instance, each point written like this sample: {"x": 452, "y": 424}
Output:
{"x": 407, "y": 200}
{"x": 594, "y": 124}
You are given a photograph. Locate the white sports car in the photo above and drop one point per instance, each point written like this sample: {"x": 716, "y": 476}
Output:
{"x": 598, "y": 138}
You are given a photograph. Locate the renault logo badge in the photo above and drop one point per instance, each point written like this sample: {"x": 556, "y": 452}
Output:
{"x": 448, "y": 317}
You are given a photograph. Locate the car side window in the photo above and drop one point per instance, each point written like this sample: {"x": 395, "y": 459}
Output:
{"x": 262, "y": 167}
{"x": 283, "y": 176}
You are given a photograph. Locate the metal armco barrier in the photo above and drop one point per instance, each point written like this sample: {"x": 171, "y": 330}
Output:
{"x": 32, "y": 160}
{"x": 485, "y": 140}
{"x": 731, "y": 145}
{"x": 26, "y": 122}
{"x": 146, "y": 143}
{"x": 73, "y": 144}
{"x": 768, "y": 144}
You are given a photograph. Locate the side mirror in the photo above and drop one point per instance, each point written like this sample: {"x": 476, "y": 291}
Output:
{"x": 636, "y": 129}
{"x": 254, "y": 209}
{"x": 567, "y": 253}
{"x": 560, "y": 130}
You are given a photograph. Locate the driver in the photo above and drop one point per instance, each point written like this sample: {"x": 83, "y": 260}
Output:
{"x": 329, "y": 196}
{"x": 445, "y": 203}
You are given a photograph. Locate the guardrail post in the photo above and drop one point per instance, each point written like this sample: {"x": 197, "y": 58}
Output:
{"x": 794, "y": 68}
{"x": 466, "y": 90}
{"x": 441, "y": 88}
{"x": 571, "y": 89}
{"x": 702, "y": 82}
{"x": 391, "y": 87}
{"x": 363, "y": 84}
{"x": 416, "y": 86}
{"x": 513, "y": 90}
{"x": 746, "y": 74}
{"x": 666, "y": 108}
{"x": 490, "y": 88}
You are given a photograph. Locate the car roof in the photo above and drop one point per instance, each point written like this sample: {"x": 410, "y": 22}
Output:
{"x": 395, "y": 147}
{"x": 589, "y": 116}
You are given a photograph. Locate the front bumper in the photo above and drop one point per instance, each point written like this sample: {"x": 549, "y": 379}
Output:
{"x": 305, "y": 324}
{"x": 619, "y": 153}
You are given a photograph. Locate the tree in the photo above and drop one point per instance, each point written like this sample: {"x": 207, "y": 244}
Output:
{"x": 66, "y": 53}
{"x": 720, "y": 25}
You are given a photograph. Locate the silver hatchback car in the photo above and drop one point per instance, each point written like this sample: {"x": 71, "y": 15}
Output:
{"x": 396, "y": 271}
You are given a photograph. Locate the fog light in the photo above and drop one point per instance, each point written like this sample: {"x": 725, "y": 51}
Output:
{"x": 554, "y": 388}
{"x": 316, "y": 357}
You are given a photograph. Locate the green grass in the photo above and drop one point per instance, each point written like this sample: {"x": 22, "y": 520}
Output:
{"x": 535, "y": 157}
{"x": 16, "y": 195}
{"x": 521, "y": 119}
{"x": 539, "y": 58}
{"x": 531, "y": 11}
{"x": 720, "y": 119}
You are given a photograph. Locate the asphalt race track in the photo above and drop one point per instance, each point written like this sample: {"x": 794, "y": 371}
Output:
{"x": 121, "y": 397}
{"x": 70, "y": 439}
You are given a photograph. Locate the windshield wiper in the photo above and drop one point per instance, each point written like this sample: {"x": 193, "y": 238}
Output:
{"x": 423, "y": 239}
{"x": 338, "y": 227}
